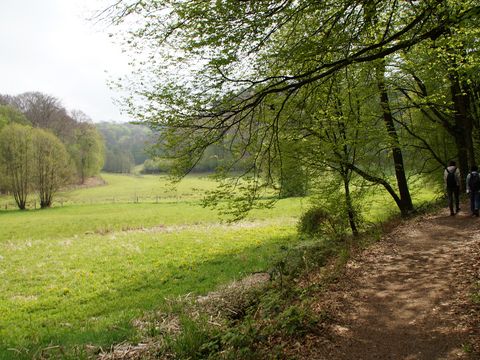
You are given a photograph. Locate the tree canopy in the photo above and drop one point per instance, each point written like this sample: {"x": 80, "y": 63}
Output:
{"x": 9, "y": 115}
{"x": 254, "y": 76}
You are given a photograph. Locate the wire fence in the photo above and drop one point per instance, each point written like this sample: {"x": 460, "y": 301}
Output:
{"x": 8, "y": 203}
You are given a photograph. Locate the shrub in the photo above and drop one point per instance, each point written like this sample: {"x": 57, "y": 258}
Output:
{"x": 296, "y": 321}
{"x": 313, "y": 221}
{"x": 156, "y": 166}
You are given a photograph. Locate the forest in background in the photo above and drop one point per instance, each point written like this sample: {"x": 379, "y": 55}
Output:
{"x": 126, "y": 145}
{"x": 130, "y": 146}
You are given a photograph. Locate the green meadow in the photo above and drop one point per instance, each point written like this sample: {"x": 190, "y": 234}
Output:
{"x": 79, "y": 273}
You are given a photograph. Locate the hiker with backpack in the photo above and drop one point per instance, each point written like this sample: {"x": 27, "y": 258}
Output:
{"x": 451, "y": 177}
{"x": 473, "y": 189}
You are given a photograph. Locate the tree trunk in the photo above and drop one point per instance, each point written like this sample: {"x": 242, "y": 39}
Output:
{"x": 463, "y": 127}
{"x": 405, "y": 205}
{"x": 349, "y": 203}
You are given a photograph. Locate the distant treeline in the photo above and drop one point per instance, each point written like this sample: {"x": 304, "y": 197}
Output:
{"x": 126, "y": 145}
{"x": 214, "y": 158}
{"x": 129, "y": 145}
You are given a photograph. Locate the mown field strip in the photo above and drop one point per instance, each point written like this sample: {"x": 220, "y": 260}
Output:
{"x": 103, "y": 218}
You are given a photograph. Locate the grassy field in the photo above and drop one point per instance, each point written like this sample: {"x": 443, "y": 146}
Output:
{"x": 79, "y": 273}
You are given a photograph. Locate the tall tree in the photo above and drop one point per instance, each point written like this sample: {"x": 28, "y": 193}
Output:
{"x": 16, "y": 155}
{"x": 87, "y": 151}
{"x": 40, "y": 109}
{"x": 439, "y": 78}
{"x": 51, "y": 166}
{"x": 45, "y": 111}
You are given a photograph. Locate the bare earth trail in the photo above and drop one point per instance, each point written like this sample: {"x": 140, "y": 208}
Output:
{"x": 407, "y": 297}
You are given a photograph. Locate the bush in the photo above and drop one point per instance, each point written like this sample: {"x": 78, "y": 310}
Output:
{"x": 156, "y": 166}
{"x": 296, "y": 321}
{"x": 331, "y": 218}
{"x": 305, "y": 256}
{"x": 313, "y": 221}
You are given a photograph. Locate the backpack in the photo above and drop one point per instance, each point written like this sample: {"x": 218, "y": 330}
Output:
{"x": 451, "y": 179}
{"x": 474, "y": 182}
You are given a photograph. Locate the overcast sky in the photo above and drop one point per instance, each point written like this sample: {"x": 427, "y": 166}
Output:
{"x": 49, "y": 46}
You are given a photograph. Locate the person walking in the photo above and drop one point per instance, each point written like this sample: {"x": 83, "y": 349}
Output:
{"x": 451, "y": 177}
{"x": 473, "y": 189}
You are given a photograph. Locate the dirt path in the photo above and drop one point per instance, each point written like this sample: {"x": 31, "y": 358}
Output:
{"x": 408, "y": 297}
